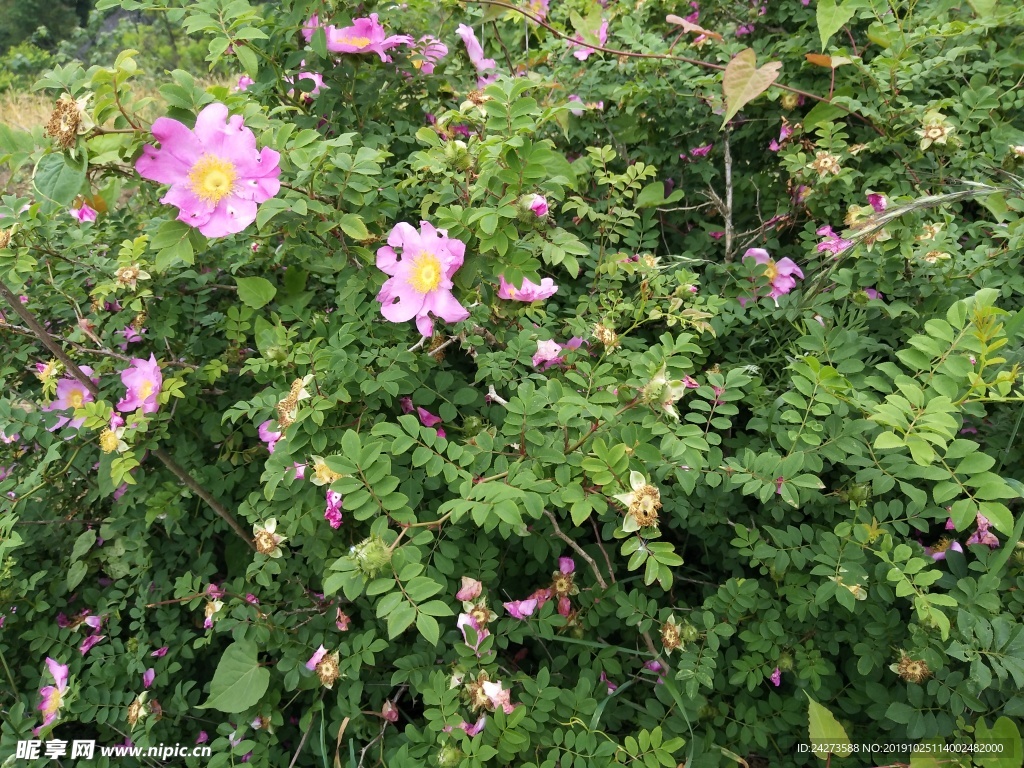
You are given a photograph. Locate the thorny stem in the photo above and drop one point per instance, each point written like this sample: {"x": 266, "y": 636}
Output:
{"x": 72, "y": 368}
{"x": 670, "y": 57}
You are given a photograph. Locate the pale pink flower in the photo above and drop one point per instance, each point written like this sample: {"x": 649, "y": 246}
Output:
{"x": 160, "y": 652}
{"x": 427, "y": 419}
{"x": 612, "y": 687}
{"x": 938, "y": 552}
{"x": 499, "y": 697}
{"x": 342, "y": 620}
{"x": 429, "y": 51}
{"x": 148, "y": 677}
{"x": 216, "y": 174}
{"x": 464, "y": 621}
{"x": 89, "y": 642}
{"x": 244, "y": 82}
{"x": 539, "y": 8}
{"x": 300, "y": 470}
{"x": 470, "y": 590}
{"x": 476, "y": 56}
{"x": 389, "y": 712}
{"x": 578, "y": 112}
{"x": 477, "y": 727}
{"x": 269, "y": 436}
{"x": 143, "y": 381}
{"x": 832, "y": 243}
{"x": 872, "y": 293}
{"x": 982, "y": 535}
{"x": 529, "y": 291}
{"x": 547, "y": 354}
{"x": 131, "y": 335}
{"x": 333, "y": 512}
{"x": 202, "y": 738}
{"x": 585, "y": 48}
{"x": 214, "y": 591}
{"x": 365, "y": 35}
{"x": 566, "y": 565}
{"x": 71, "y": 393}
{"x": 315, "y": 77}
{"x": 53, "y": 695}
{"x": 420, "y": 284}
{"x": 521, "y": 609}
{"x": 316, "y": 658}
{"x": 776, "y": 677}
{"x": 85, "y": 213}
{"x": 779, "y": 273}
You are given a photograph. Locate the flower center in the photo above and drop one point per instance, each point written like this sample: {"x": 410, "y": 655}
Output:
{"x": 645, "y": 506}
{"x": 770, "y": 270}
{"x": 75, "y": 398}
{"x": 562, "y": 584}
{"x": 265, "y": 542}
{"x": 108, "y": 441}
{"x": 212, "y": 178}
{"x": 426, "y": 273}
{"x": 358, "y": 42}
{"x": 53, "y": 702}
{"x": 145, "y": 390}
{"x": 325, "y": 474}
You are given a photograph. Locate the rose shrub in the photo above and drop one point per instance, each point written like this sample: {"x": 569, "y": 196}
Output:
{"x": 576, "y": 385}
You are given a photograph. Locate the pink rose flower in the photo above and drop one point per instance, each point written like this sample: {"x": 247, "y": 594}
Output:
{"x": 71, "y": 393}
{"x": 779, "y": 273}
{"x": 269, "y": 436}
{"x": 52, "y": 695}
{"x": 832, "y": 243}
{"x": 776, "y": 677}
{"x": 539, "y": 205}
{"x": 143, "y": 381}
{"x": 547, "y": 355}
{"x": 85, "y": 213}
{"x": 89, "y": 642}
{"x": 521, "y": 609}
{"x": 529, "y": 291}
{"x": 878, "y": 202}
{"x": 365, "y": 35}
{"x": 482, "y": 65}
{"x": 586, "y": 50}
{"x": 148, "y": 677}
{"x": 316, "y": 658}
{"x": 216, "y": 174}
{"x": 244, "y": 82}
{"x": 420, "y": 284}
{"x": 160, "y": 652}
{"x": 470, "y": 590}
{"x": 429, "y": 51}
{"x": 333, "y": 512}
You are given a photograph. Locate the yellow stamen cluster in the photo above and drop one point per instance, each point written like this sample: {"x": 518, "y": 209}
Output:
{"x": 212, "y": 178}
{"x": 108, "y": 441}
{"x": 426, "y": 273}
{"x": 325, "y": 474}
{"x": 127, "y": 275}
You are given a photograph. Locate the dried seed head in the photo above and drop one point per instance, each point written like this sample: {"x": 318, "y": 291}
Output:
{"x": 606, "y": 335}
{"x": 825, "y": 163}
{"x": 645, "y": 506}
{"x": 670, "y": 638}
{"x": 66, "y": 122}
{"x": 436, "y": 342}
{"x": 5, "y": 238}
{"x": 474, "y": 691}
{"x": 912, "y": 670}
{"x": 265, "y": 542}
{"x": 328, "y": 670}
{"x": 137, "y": 710}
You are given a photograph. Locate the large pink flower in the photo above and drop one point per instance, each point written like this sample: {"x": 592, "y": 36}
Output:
{"x": 143, "y": 380}
{"x": 421, "y": 282}
{"x": 364, "y": 36}
{"x": 71, "y": 393}
{"x": 529, "y": 291}
{"x": 780, "y": 273}
{"x": 476, "y": 56}
{"x": 216, "y": 174}
{"x": 53, "y": 695}
{"x": 269, "y": 436}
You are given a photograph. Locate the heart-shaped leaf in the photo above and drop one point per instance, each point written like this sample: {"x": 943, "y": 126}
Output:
{"x": 239, "y": 681}
{"x": 831, "y": 18}
{"x": 743, "y": 81}
{"x": 689, "y": 26}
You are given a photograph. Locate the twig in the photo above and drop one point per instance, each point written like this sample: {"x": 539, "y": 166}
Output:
{"x": 302, "y": 743}
{"x": 495, "y": 396}
{"x": 418, "y": 344}
{"x": 577, "y": 549}
{"x": 600, "y": 545}
{"x": 728, "y": 197}
{"x": 72, "y": 368}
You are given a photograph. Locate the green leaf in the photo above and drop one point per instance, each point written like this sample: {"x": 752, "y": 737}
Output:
{"x": 248, "y": 59}
{"x": 239, "y": 681}
{"x": 76, "y": 573}
{"x": 59, "y": 178}
{"x": 427, "y": 626}
{"x": 831, "y": 18}
{"x": 354, "y": 227}
{"x": 1005, "y": 741}
{"x": 824, "y": 728}
{"x": 888, "y": 440}
{"x": 83, "y": 544}
{"x": 743, "y": 81}
{"x": 654, "y": 195}
{"x": 255, "y": 292}
{"x": 400, "y": 619}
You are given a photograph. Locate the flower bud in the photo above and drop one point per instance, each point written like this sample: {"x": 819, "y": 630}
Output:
{"x": 456, "y": 155}
{"x": 785, "y": 662}
{"x": 371, "y": 556}
{"x": 449, "y": 756}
